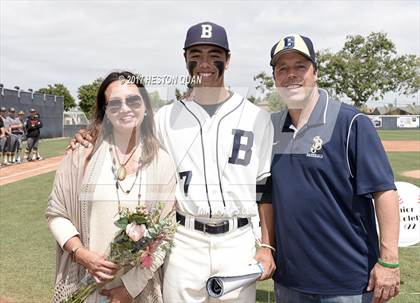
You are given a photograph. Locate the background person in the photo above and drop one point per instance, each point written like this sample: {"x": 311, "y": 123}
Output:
{"x": 33, "y": 134}
{"x": 16, "y": 127}
{"x": 7, "y": 133}
{"x": 2, "y": 139}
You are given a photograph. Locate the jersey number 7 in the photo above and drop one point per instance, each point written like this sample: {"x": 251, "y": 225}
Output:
{"x": 186, "y": 175}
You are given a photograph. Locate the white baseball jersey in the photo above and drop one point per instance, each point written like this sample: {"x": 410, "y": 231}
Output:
{"x": 218, "y": 158}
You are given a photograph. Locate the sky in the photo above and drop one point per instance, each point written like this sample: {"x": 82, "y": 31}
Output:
{"x": 75, "y": 42}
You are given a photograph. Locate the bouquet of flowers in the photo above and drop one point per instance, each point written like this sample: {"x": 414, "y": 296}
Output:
{"x": 140, "y": 233}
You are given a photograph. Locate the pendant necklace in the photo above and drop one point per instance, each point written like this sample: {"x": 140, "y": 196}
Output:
{"x": 121, "y": 171}
{"x": 118, "y": 186}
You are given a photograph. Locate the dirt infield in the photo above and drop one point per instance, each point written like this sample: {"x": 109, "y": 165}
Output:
{"x": 402, "y": 146}
{"x": 13, "y": 173}
{"x": 412, "y": 174}
{"x": 4, "y": 299}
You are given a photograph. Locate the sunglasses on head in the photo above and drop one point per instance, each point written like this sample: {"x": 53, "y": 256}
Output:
{"x": 133, "y": 102}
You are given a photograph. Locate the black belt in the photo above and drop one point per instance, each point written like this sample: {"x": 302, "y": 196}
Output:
{"x": 212, "y": 228}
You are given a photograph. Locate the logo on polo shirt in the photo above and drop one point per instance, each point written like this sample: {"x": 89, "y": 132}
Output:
{"x": 316, "y": 148}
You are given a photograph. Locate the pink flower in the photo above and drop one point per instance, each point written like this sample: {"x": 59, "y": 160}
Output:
{"x": 135, "y": 231}
{"x": 146, "y": 260}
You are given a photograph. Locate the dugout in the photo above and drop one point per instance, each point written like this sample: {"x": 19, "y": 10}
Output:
{"x": 392, "y": 122}
{"x": 73, "y": 121}
{"x": 49, "y": 107}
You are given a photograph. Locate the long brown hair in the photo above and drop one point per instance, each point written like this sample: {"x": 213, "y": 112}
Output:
{"x": 98, "y": 131}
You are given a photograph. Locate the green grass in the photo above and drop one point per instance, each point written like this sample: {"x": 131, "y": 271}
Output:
{"x": 27, "y": 249}
{"x": 397, "y": 135}
{"x": 51, "y": 147}
{"x": 401, "y": 162}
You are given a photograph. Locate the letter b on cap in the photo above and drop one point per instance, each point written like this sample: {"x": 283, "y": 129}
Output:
{"x": 289, "y": 42}
{"x": 206, "y": 31}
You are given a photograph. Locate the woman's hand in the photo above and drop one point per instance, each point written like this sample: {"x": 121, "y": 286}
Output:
{"x": 101, "y": 270}
{"x": 82, "y": 137}
{"x": 117, "y": 295}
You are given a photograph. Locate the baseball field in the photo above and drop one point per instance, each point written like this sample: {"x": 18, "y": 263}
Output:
{"x": 27, "y": 249}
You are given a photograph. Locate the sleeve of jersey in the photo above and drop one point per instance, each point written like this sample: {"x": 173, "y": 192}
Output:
{"x": 264, "y": 191}
{"x": 265, "y": 152}
{"x": 367, "y": 160}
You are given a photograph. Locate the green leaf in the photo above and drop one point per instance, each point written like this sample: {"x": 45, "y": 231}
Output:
{"x": 137, "y": 218}
{"x": 121, "y": 222}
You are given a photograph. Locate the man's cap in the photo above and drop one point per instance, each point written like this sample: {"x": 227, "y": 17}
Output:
{"x": 32, "y": 110}
{"x": 12, "y": 110}
{"x": 3, "y": 109}
{"x": 207, "y": 33}
{"x": 21, "y": 112}
{"x": 293, "y": 42}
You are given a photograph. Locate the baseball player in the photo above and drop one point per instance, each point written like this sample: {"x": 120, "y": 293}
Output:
{"x": 16, "y": 127}
{"x": 6, "y": 141}
{"x": 2, "y": 138}
{"x": 33, "y": 134}
{"x": 221, "y": 144}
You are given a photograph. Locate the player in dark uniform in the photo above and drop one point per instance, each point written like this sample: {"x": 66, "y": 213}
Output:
{"x": 33, "y": 134}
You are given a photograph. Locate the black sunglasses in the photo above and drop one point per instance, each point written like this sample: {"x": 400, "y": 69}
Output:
{"x": 133, "y": 102}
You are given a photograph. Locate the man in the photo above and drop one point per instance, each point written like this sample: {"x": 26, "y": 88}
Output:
{"x": 21, "y": 116}
{"x": 2, "y": 138}
{"x": 16, "y": 127}
{"x": 6, "y": 141}
{"x": 221, "y": 145}
{"x": 328, "y": 164}
{"x": 33, "y": 134}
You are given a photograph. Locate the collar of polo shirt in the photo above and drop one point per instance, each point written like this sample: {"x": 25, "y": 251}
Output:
{"x": 318, "y": 115}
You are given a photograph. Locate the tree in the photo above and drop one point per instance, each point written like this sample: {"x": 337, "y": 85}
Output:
{"x": 59, "y": 89}
{"x": 155, "y": 100}
{"x": 87, "y": 96}
{"x": 265, "y": 84}
{"x": 367, "y": 68}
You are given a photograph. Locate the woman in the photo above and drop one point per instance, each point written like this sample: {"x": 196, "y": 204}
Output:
{"x": 124, "y": 168}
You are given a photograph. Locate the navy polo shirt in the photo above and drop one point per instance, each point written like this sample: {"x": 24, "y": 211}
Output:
{"x": 322, "y": 178}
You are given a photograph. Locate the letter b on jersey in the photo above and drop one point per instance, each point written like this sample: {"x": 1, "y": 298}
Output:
{"x": 244, "y": 157}
{"x": 206, "y": 31}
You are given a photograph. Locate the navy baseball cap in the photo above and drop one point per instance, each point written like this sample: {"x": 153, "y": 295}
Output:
{"x": 207, "y": 33}
{"x": 293, "y": 42}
